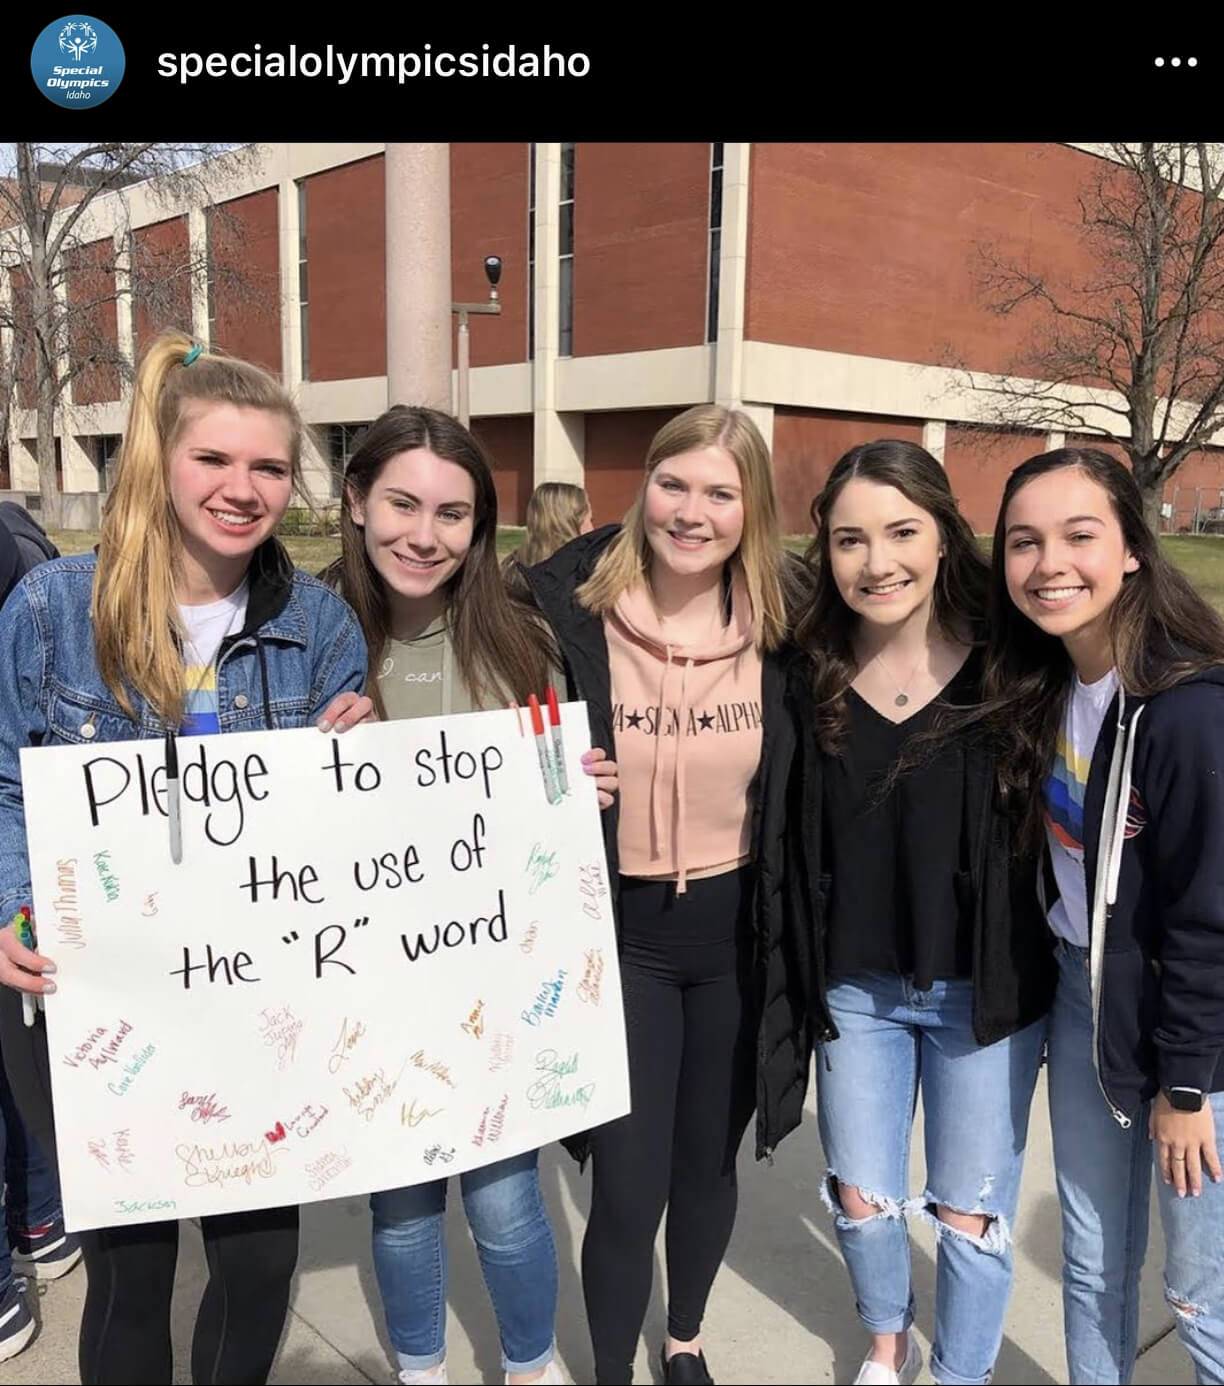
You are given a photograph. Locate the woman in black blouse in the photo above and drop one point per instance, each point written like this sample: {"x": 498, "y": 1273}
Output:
{"x": 930, "y": 967}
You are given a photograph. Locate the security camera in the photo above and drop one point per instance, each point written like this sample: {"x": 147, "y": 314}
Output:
{"x": 492, "y": 268}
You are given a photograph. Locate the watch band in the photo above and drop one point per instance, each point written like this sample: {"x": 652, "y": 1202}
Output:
{"x": 1183, "y": 1099}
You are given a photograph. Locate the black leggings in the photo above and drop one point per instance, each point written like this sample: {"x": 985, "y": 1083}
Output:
{"x": 125, "y": 1324}
{"x": 686, "y": 975}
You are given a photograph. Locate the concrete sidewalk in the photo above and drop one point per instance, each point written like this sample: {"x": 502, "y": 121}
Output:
{"x": 781, "y": 1310}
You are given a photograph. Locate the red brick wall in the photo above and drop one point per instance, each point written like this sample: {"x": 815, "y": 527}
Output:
{"x": 508, "y": 440}
{"x": 641, "y": 246}
{"x": 616, "y": 446}
{"x": 346, "y": 257}
{"x": 1202, "y": 471}
{"x": 246, "y": 293}
{"x": 806, "y": 444}
{"x": 869, "y": 248}
{"x": 978, "y": 462}
{"x": 490, "y": 198}
{"x": 94, "y": 320}
{"x": 161, "y": 282}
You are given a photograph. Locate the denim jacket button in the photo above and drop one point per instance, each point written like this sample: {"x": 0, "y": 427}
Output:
{"x": 241, "y": 700}
{"x": 89, "y": 731}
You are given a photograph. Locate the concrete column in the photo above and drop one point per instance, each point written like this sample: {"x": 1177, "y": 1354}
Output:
{"x": 8, "y": 346}
{"x": 732, "y": 278}
{"x": 418, "y": 273}
{"x": 560, "y": 438}
{"x": 197, "y": 257}
{"x": 763, "y": 416}
{"x": 935, "y": 439}
{"x": 125, "y": 336}
{"x": 288, "y": 231}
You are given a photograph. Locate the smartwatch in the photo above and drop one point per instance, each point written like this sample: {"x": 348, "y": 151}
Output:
{"x": 1185, "y": 1099}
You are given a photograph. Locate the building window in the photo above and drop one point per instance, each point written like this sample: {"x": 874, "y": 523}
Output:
{"x": 565, "y": 344}
{"x": 531, "y": 175}
{"x": 716, "y": 200}
{"x": 342, "y": 441}
{"x": 105, "y": 449}
{"x": 303, "y": 286}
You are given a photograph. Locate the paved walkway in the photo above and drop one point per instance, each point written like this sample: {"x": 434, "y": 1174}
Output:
{"x": 781, "y": 1310}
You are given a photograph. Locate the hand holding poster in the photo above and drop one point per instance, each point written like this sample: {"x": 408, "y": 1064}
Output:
{"x": 383, "y": 958}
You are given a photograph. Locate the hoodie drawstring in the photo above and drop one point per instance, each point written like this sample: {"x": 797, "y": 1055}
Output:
{"x": 681, "y": 814}
{"x": 656, "y": 779}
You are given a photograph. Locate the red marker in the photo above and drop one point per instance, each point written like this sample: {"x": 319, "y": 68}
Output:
{"x": 554, "y": 720}
{"x": 537, "y": 727}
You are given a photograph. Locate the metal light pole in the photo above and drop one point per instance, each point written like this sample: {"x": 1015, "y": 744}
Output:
{"x": 493, "y": 269}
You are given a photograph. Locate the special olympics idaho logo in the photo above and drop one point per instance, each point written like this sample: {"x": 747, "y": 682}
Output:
{"x": 77, "y": 38}
{"x": 77, "y": 61}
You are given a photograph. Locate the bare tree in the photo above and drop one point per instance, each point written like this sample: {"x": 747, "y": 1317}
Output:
{"x": 64, "y": 276}
{"x": 1133, "y": 353}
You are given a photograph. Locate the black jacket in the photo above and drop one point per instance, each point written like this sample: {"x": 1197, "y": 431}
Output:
{"x": 783, "y": 1044}
{"x": 23, "y": 545}
{"x": 1013, "y": 961}
{"x": 1154, "y": 815}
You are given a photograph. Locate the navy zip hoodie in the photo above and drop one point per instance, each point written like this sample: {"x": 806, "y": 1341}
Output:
{"x": 1154, "y": 867}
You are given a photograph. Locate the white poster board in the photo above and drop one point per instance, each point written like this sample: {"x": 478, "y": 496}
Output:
{"x": 384, "y": 958}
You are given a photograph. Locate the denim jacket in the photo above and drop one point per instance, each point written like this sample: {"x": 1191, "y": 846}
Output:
{"x": 300, "y": 646}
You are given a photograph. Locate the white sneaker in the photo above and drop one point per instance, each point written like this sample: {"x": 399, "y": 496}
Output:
{"x": 552, "y": 1375}
{"x": 430, "y": 1376}
{"x": 877, "y": 1374}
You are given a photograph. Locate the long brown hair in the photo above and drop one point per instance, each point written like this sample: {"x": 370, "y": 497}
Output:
{"x": 1162, "y": 633}
{"x": 625, "y": 562}
{"x": 824, "y": 631}
{"x": 134, "y": 607}
{"x": 501, "y": 646}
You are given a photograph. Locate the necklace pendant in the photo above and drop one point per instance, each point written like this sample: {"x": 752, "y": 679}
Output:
{"x": 901, "y": 699}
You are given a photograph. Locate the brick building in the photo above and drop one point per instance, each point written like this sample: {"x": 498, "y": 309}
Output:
{"x": 825, "y": 287}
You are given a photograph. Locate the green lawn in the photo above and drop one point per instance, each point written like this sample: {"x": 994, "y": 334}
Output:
{"x": 1200, "y": 557}
{"x": 307, "y": 551}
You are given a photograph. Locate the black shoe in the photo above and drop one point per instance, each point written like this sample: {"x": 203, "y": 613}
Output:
{"x": 685, "y": 1369}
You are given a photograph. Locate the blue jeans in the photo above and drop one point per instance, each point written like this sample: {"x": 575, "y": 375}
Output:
{"x": 514, "y": 1240}
{"x": 31, "y": 1188}
{"x": 1104, "y": 1176}
{"x": 975, "y": 1100}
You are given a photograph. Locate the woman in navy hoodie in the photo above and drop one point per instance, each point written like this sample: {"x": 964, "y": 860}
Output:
{"x": 1105, "y": 674}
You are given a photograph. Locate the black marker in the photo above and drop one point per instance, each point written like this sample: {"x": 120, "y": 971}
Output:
{"x": 172, "y": 799}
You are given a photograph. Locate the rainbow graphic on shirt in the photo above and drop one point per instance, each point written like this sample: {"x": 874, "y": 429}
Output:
{"x": 1064, "y": 795}
{"x": 200, "y": 716}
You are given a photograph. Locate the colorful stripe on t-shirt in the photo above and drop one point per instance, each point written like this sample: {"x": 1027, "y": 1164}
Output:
{"x": 200, "y": 716}
{"x": 1064, "y": 795}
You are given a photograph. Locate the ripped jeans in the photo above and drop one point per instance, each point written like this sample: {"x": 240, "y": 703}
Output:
{"x": 893, "y": 1042}
{"x": 1104, "y": 1176}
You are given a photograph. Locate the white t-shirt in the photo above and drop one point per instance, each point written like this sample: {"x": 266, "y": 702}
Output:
{"x": 1064, "y": 798}
{"x": 204, "y": 628}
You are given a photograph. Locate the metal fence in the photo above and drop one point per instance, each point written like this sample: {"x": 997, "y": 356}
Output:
{"x": 1193, "y": 510}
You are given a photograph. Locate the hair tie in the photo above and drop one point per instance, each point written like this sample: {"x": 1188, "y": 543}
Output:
{"x": 193, "y": 355}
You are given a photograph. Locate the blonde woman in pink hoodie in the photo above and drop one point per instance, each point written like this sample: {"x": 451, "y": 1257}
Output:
{"x": 671, "y": 628}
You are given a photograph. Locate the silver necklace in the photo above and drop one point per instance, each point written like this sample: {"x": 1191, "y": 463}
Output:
{"x": 902, "y": 696}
